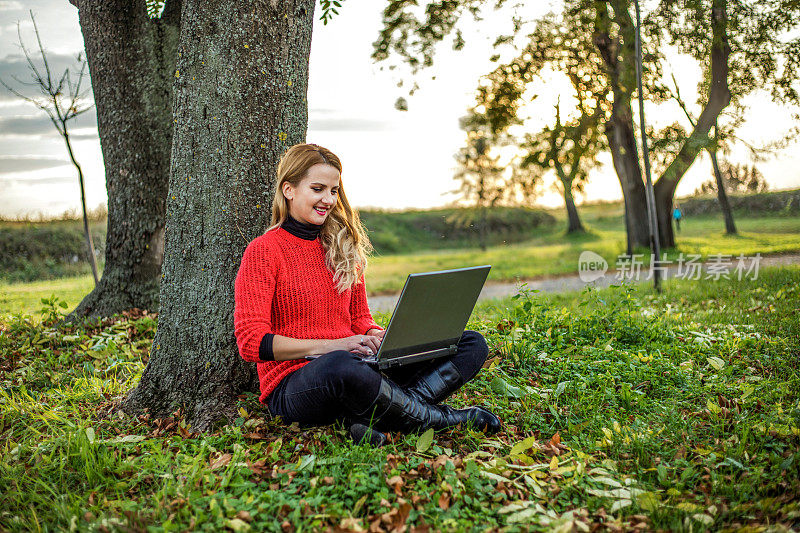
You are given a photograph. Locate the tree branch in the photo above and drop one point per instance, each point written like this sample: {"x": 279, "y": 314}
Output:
{"x": 718, "y": 98}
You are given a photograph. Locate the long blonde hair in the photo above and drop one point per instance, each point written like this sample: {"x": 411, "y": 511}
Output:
{"x": 342, "y": 235}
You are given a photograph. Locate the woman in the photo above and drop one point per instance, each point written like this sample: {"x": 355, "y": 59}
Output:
{"x": 300, "y": 291}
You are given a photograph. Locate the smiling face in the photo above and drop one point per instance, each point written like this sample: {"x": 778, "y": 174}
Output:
{"x": 313, "y": 198}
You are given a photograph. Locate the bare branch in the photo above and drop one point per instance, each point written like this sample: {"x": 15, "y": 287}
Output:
{"x": 41, "y": 48}
{"x": 677, "y": 96}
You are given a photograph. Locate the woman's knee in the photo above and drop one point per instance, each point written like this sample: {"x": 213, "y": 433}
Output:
{"x": 475, "y": 343}
{"x": 347, "y": 368}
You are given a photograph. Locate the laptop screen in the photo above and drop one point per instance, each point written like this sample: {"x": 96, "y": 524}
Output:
{"x": 433, "y": 310}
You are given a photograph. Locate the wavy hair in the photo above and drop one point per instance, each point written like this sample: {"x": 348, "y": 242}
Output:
{"x": 342, "y": 235}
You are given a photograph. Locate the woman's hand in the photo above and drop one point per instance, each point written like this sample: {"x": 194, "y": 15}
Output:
{"x": 360, "y": 344}
{"x": 377, "y": 333}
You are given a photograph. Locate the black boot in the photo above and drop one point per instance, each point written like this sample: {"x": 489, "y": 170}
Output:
{"x": 361, "y": 433}
{"x": 397, "y": 410}
{"x": 438, "y": 382}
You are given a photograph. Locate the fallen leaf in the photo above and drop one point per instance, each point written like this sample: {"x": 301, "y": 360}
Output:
{"x": 221, "y": 461}
{"x": 237, "y": 525}
{"x": 444, "y": 501}
{"x": 424, "y": 441}
{"x": 396, "y": 482}
{"x": 351, "y": 524}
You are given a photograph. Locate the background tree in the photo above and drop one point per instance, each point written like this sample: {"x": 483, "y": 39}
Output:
{"x": 240, "y": 101}
{"x": 63, "y": 100}
{"x": 736, "y": 178}
{"x": 763, "y": 54}
{"x": 569, "y": 149}
{"x": 479, "y": 172}
{"x": 132, "y": 64}
{"x": 569, "y": 42}
{"x": 753, "y": 50}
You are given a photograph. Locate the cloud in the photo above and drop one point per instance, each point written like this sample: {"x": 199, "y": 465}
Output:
{"x": 39, "y": 180}
{"x": 13, "y": 164}
{"x": 346, "y": 124}
{"x": 41, "y": 125}
{"x": 9, "y": 5}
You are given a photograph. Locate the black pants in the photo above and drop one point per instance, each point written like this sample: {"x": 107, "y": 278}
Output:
{"x": 340, "y": 384}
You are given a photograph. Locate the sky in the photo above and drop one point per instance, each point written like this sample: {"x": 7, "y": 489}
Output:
{"x": 392, "y": 159}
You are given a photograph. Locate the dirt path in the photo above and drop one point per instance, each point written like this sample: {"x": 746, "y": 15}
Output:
{"x": 385, "y": 303}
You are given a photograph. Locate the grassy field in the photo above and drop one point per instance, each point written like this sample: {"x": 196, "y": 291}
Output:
{"x": 549, "y": 254}
{"x": 623, "y": 410}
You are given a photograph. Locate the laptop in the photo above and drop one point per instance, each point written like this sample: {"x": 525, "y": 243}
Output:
{"x": 430, "y": 316}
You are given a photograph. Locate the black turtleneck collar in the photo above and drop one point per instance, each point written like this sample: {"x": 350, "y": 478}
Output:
{"x": 305, "y": 231}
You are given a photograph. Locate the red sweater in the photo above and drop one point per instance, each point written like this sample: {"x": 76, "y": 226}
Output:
{"x": 283, "y": 287}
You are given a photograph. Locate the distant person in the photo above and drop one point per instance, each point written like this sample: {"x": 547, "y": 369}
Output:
{"x": 300, "y": 291}
{"x": 677, "y": 215}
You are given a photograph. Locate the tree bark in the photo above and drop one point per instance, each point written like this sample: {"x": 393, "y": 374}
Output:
{"x": 574, "y": 224}
{"x": 619, "y": 60}
{"x": 240, "y": 101}
{"x": 718, "y": 98}
{"x": 132, "y": 63}
{"x": 722, "y": 195}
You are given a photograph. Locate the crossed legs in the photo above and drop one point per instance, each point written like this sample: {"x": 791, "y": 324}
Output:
{"x": 340, "y": 385}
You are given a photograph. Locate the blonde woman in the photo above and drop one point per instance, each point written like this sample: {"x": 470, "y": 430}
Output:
{"x": 300, "y": 291}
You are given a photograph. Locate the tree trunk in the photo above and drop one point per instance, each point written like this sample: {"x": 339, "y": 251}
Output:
{"x": 625, "y": 157}
{"x": 619, "y": 58}
{"x": 573, "y": 220}
{"x": 574, "y": 224}
{"x": 132, "y": 65}
{"x": 718, "y": 98}
{"x": 722, "y": 195}
{"x": 240, "y": 101}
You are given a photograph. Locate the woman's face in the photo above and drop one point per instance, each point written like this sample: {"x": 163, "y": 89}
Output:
{"x": 314, "y": 197}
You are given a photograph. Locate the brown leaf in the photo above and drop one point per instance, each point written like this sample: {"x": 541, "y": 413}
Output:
{"x": 375, "y": 526}
{"x": 387, "y": 518}
{"x": 402, "y": 514}
{"x": 397, "y": 483}
{"x": 259, "y": 467}
{"x": 439, "y": 461}
{"x": 351, "y": 524}
{"x": 244, "y": 515}
{"x": 221, "y": 461}
{"x": 287, "y": 526}
{"x": 555, "y": 440}
{"x": 444, "y": 501}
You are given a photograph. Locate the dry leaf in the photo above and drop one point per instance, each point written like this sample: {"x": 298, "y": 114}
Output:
{"x": 397, "y": 483}
{"x": 221, "y": 461}
{"x": 444, "y": 501}
{"x": 352, "y": 524}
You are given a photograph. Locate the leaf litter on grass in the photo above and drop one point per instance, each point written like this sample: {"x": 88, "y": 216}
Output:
{"x": 613, "y": 419}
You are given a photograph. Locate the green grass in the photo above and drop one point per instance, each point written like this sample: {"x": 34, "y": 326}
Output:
{"x": 26, "y": 297}
{"x": 623, "y": 409}
{"x": 554, "y": 253}
{"x": 549, "y": 254}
